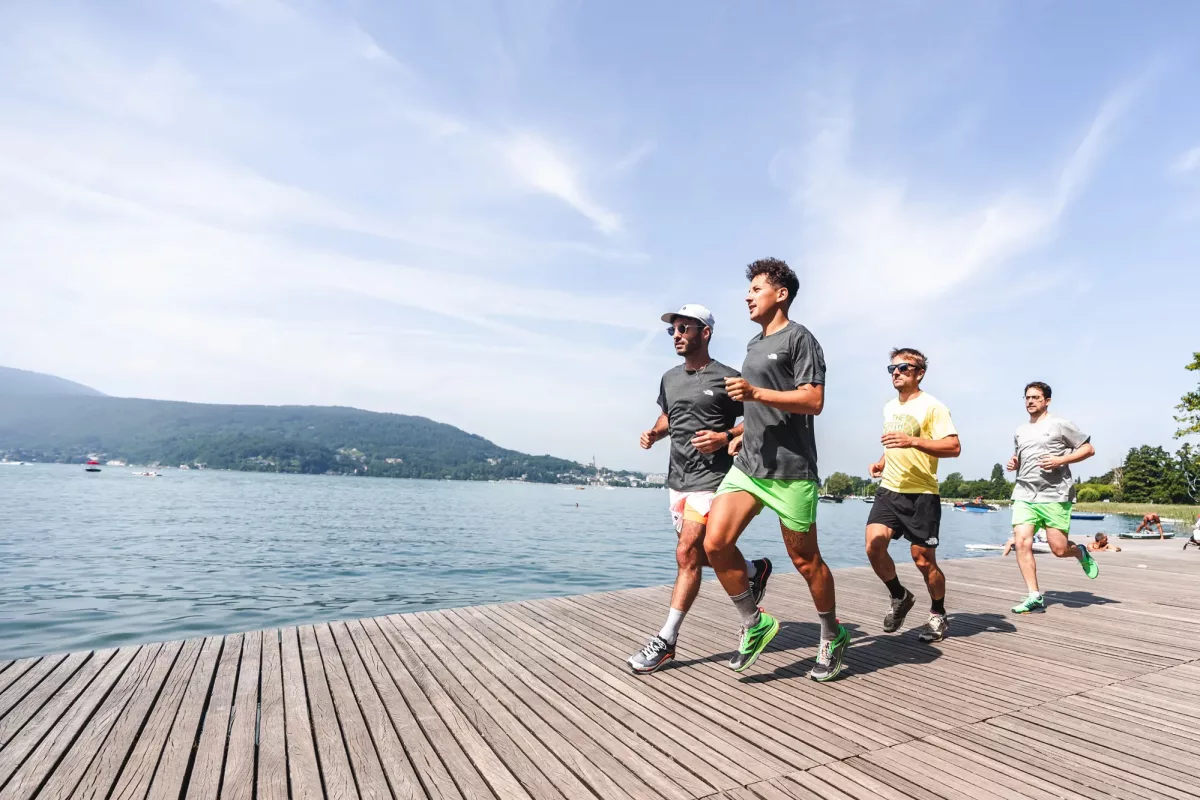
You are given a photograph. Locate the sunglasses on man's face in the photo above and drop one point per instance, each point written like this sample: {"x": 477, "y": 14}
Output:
{"x": 901, "y": 368}
{"x": 681, "y": 329}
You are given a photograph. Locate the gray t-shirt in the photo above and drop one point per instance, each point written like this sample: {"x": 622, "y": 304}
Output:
{"x": 1050, "y": 436}
{"x": 779, "y": 445}
{"x": 697, "y": 401}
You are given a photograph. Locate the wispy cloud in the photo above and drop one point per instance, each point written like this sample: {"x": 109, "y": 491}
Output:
{"x": 1187, "y": 162}
{"x": 543, "y": 167}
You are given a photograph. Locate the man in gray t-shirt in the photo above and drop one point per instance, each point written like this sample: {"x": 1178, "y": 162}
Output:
{"x": 783, "y": 387}
{"x": 700, "y": 417}
{"x": 1043, "y": 449}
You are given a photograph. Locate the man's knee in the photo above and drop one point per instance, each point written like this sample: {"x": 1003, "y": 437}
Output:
{"x": 690, "y": 554}
{"x": 877, "y": 545}
{"x": 1060, "y": 549}
{"x": 924, "y": 558}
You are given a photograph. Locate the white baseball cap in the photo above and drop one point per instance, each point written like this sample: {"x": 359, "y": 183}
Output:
{"x": 692, "y": 310}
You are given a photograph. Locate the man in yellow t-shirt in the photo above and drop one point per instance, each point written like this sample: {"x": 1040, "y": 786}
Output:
{"x": 917, "y": 431}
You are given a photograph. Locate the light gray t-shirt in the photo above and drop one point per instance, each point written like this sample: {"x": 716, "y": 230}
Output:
{"x": 778, "y": 445}
{"x": 697, "y": 401}
{"x": 1051, "y": 436}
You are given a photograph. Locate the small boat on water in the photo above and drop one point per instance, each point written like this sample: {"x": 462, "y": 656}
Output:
{"x": 828, "y": 498}
{"x": 1146, "y": 535}
{"x": 976, "y": 506}
{"x": 1083, "y": 515}
{"x": 869, "y": 498}
{"x": 92, "y": 466}
{"x": 150, "y": 474}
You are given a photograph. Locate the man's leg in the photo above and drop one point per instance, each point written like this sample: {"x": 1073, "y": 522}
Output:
{"x": 935, "y": 581}
{"x": 1023, "y": 534}
{"x": 805, "y": 553}
{"x": 731, "y": 512}
{"x": 879, "y": 536}
{"x": 1062, "y": 547}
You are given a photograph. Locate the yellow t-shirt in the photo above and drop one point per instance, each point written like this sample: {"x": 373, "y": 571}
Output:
{"x": 908, "y": 470}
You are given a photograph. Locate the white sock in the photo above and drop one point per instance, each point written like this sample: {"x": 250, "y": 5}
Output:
{"x": 670, "y": 631}
{"x": 1035, "y": 595}
{"x": 751, "y": 570}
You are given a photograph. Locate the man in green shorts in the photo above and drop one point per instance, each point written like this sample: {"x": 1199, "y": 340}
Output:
{"x": 782, "y": 387}
{"x": 1044, "y": 447}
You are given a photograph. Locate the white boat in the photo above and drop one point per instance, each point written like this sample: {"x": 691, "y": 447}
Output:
{"x": 147, "y": 474}
{"x": 1038, "y": 547}
{"x": 12, "y": 463}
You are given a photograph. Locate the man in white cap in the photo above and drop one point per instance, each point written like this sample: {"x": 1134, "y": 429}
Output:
{"x": 701, "y": 420}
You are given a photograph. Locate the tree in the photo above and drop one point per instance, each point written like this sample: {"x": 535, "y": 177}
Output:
{"x": 1189, "y": 469}
{"x": 952, "y": 486}
{"x": 1151, "y": 475}
{"x": 1189, "y": 406}
{"x": 839, "y": 484}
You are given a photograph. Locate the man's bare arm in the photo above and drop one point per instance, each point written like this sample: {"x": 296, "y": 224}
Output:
{"x": 660, "y": 429}
{"x": 1054, "y": 462}
{"x": 806, "y": 399}
{"x": 946, "y": 447}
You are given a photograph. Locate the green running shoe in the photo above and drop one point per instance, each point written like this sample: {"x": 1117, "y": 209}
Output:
{"x": 1030, "y": 605}
{"x": 1090, "y": 567}
{"x": 754, "y": 641}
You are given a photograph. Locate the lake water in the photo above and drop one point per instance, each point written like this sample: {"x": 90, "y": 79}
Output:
{"x": 107, "y": 559}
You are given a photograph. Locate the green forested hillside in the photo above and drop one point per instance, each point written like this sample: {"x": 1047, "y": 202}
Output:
{"x": 308, "y": 439}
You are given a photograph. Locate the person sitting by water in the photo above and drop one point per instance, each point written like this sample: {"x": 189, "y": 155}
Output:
{"x": 1195, "y": 540}
{"x": 1148, "y": 521}
{"x": 1102, "y": 543}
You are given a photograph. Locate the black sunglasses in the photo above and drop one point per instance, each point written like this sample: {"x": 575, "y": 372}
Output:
{"x": 901, "y": 368}
{"x": 680, "y": 329}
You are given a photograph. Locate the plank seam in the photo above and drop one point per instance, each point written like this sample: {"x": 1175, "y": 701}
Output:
{"x": 187, "y": 774}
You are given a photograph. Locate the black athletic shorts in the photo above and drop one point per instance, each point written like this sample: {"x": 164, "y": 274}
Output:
{"x": 916, "y": 517}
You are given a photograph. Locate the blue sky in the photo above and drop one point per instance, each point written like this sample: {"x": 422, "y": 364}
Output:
{"x": 477, "y": 211}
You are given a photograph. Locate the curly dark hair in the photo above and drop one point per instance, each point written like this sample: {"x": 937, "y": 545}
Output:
{"x": 779, "y": 275}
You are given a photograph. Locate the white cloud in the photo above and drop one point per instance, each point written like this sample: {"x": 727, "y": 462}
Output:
{"x": 1187, "y": 162}
{"x": 543, "y": 167}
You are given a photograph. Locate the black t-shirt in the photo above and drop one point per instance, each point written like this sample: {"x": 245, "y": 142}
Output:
{"x": 697, "y": 401}
{"x": 778, "y": 445}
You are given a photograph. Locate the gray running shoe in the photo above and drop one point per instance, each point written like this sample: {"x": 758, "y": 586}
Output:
{"x": 758, "y": 584}
{"x": 653, "y": 656}
{"x": 894, "y": 618}
{"x": 935, "y": 629}
{"x": 829, "y": 656}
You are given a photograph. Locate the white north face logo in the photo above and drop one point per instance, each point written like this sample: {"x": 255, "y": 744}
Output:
{"x": 932, "y": 541}
{"x": 773, "y": 356}
{"x": 708, "y": 392}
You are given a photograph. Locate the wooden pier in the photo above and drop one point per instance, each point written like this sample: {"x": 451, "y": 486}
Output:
{"x": 1097, "y": 698}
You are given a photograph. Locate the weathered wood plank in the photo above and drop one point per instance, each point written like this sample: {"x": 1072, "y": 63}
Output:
{"x": 26, "y": 683}
{"x": 337, "y": 774}
{"x": 301, "y": 741}
{"x": 101, "y": 774}
{"x": 205, "y": 778}
{"x": 59, "y": 732}
{"x": 134, "y": 780}
{"x": 237, "y": 782}
{"x": 177, "y": 751}
{"x": 272, "y": 777}
{"x": 46, "y": 690}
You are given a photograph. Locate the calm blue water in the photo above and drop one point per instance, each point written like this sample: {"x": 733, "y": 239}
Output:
{"x": 108, "y": 559}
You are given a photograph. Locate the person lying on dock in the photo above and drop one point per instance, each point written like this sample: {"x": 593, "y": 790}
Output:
{"x": 1102, "y": 543}
{"x": 1148, "y": 521}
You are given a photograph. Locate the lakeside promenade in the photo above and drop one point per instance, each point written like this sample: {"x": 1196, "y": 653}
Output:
{"x": 1097, "y": 698}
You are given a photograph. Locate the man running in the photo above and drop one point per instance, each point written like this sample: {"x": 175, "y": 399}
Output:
{"x": 783, "y": 388}
{"x": 917, "y": 431}
{"x": 1149, "y": 521}
{"x": 700, "y": 417}
{"x": 1045, "y": 446}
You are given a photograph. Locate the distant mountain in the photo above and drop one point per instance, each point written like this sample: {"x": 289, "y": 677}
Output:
{"x": 307, "y": 439}
{"x": 21, "y": 381}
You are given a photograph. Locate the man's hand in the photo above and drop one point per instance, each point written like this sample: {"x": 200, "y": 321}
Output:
{"x": 648, "y": 439}
{"x": 1050, "y": 463}
{"x": 739, "y": 389}
{"x": 1011, "y": 466}
{"x": 735, "y": 445}
{"x": 876, "y": 469}
{"x": 895, "y": 440}
{"x": 709, "y": 441}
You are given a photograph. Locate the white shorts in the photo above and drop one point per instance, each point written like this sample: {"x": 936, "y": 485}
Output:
{"x": 690, "y": 506}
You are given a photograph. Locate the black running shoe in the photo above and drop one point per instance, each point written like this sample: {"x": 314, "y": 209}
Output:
{"x": 758, "y": 584}
{"x": 655, "y": 655}
{"x": 935, "y": 629}
{"x": 894, "y": 618}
